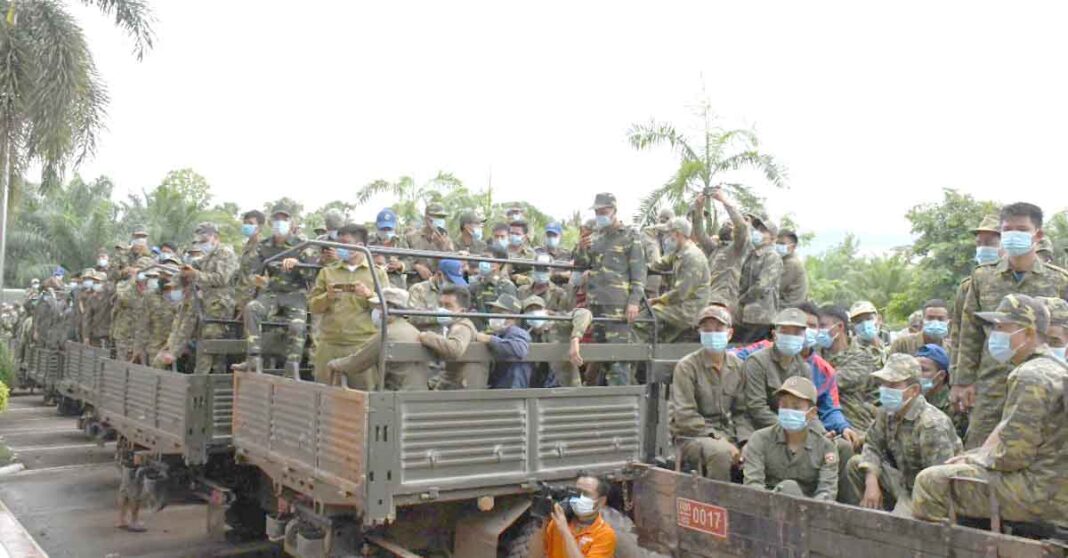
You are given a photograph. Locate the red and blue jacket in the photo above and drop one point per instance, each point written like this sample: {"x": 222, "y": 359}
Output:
{"x": 827, "y": 405}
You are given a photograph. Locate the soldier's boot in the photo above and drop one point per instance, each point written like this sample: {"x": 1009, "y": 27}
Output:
{"x": 292, "y": 369}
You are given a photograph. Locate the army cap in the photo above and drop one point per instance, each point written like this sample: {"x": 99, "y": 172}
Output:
{"x": 680, "y": 225}
{"x": 899, "y": 368}
{"x": 860, "y": 308}
{"x": 470, "y": 218}
{"x": 1044, "y": 245}
{"x": 791, "y": 317}
{"x": 139, "y": 230}
{"x": 436, "y": 210}
{"x": 603, "y": 200}
{"x": 798, "y": 387}
{"x": 397, "y": 298}
{"x": 280, "y": 209}
{"x": 718, "y": 313}
{"x": 151, "y": 272}
{"x": 333, "y": 219}
{"x": 756, "y": 217}
{"x": 1058, "y": 310}
{"x": 506, "y": 302}
{"x": 990, "y": 224}
{"x": 533, "y": 300}
{"x": 1021, "y": 310}
{"x": 554, "y": 228}
{"x": 206, "y": 228}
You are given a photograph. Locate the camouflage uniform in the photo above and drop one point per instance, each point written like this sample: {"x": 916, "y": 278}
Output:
{"x": 284, "y": 297}
{"x": 896, "y": 448}
{"x": 616, "y": 266}
{"x": 677, "y": 308}
{"x": 652, "y": 242}
{"x": 707, "y": 411}
{"x": 1024, "y": 467}
{"x": 759, "y": 298}
{"x": 770, "y": 464}
{"x": 98, "y": 315}
{"x": 160, "y": 322}
{"x": 725, "y": 262}
{"x": 557, "y": 299}
{"x": 424, "y": 296}
{"x": 429, "y": 239}
{"x": 793, "y": 285}
{"x": 486, "y": 288}
{"x": 214, "y": 296}
{"x": 398, "y": 278}
{"x": 990, "y": 224}
{"x": 853, "y": 368}
{"x": 128, "y": 305}
{"x": 990, "y": 284}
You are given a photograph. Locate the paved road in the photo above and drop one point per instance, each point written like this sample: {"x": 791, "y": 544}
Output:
{"x": 66, "y": 497}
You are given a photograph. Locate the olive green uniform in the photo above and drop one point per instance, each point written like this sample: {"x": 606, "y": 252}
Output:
{"x": 811, "y": 471}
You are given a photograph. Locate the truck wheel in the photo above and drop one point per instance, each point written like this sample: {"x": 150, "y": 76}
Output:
{"x": 515, "y": 542}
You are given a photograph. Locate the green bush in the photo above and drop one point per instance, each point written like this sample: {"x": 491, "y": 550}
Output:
{"x": 7, "y": 369}
{"x": 4, "y": 392}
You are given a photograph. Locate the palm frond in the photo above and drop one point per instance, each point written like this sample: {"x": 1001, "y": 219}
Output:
{"x": 134, "y": 17}
{"x": 644, "y": 136}
{"x": 674, "y": 192}
{"x": 774, "y": 172}
{"x": 363, "y": 195}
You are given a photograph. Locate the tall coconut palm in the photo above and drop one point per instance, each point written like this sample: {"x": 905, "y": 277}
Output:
{"x": 409, "y": 194}
{"x": 703, "y": 163}
{"x": 52, "y": 100}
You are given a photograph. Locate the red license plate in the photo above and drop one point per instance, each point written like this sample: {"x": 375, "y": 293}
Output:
{"x": 702, "y": 517}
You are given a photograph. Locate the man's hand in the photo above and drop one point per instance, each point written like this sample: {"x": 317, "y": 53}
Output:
{"x": 699, "y": 202}
{"x": 853, "y": 437}
{"x": 482, "y": 337}
{"x": 363, "y": 291}
{"x": 261, "y": 281}
{"x": 332, "y": 291}
{"x": 873, "y": 497}
{"x": 394, "y": 267}
{"x": 717, "y": 194}
{"x": 289, "y": 263}
{"x": 132, "y": 272}
{"x": 560, "y": 520}
{"x": 328, "y": 253}
{"x": 165, "y": 357}
{"x": 962, "y": 396}
{"x": 586, "y": 240}
{"x": 575, "y": 353}
{"x": 632, "y": 313}
{"x": 422, "y": 270}
{"x": 736, "y": 455}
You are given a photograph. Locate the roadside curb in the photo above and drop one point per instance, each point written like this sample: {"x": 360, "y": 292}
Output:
{"x": 15, "y": 541}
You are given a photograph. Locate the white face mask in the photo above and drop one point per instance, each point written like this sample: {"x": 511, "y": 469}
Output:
{"x": 376, "y": 317}
{"x": 497, "y": 323}
{"x": 583, "y": 506}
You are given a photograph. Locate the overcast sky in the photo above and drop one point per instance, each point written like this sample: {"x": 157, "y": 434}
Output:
{"x": 872, "y": 108}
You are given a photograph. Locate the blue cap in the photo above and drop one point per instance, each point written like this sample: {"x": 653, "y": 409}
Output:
{"x": 59, "y": 271}
{"x": 453, "y": 270}
{"x": 935, "y": 353}
{"x": 554, "y": 228}
{"x": 386, "y": 219}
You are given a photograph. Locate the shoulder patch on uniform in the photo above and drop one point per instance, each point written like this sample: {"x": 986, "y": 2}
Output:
{"x": 831, "y": 457}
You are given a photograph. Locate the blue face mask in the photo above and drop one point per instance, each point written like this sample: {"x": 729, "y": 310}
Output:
{"x": 87, "y": 284}
{"x": 757, "y": 238}
{"x": 174, "y": 295}
{"x": 443, "y": 320}
{"x": 603, "y": 221}
{"x": 248, "y": 229}
{"x": 926, "y": 384}
{"x": 810, "y": 337}
{"x": 501, "y": 242}
{"x": 343, "y": 254}
{"x": 280, "y": 227}
{"x": 476, "y": 233}
{"x": 552, "y": 241}
{"x": 438, "y": 222}
{"x": 789, "y": 345}
{"x": 485, "y": 268}
{"x": 782, "y": 249}
{"x": 891, "y": 399}
{"x": 714, "y": 341}
{"x": 1058, "y": 352}
{"x": 866, "y": 330}
{"x": 1016, "y": 243}
{"x": 515, "y": 239}
{"x": 986, "y": 254}
{"x": 386, "y": 234}
{"x": 541, "y": 277}
{"x": 206, "y": 247}
{"x": 670, "y": 245}
{"x": 539, "y": 321}
{"x": 792, "y": 420}
{"x": 1000, "y": 345}
{"x": 936, "y": 329}
{"x": 824, "y": 338}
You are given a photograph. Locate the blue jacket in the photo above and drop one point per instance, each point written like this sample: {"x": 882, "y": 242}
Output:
{"x": 509, "y": 347}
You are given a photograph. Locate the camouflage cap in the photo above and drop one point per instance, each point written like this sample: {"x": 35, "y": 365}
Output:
{"x": 470, "y": 217}
{"x": 436, "y": 210}
{"x": 280, "y": 209}
{"x": 899, "y": 367}
{"x": 1058, "y": 310}
{"x": 798, "y": 386}
{"x": 139, "y": 230}
{"x": 533, "y": 300}
{"x": 333, "y": 219}
{"x": 397, "y": 298}
{"x": 916, "y": 318}
{"x": 680, "y": 225}
{"x": 506, "y": 302}
{"x": 791, "y": 317}
{"x": 718, "y": 313}
{"x": 990, "y": 223}
{"x": 87, "y": 272}
{"x": 100, "y": 276}
{"x": 860, "y": 308}
{"x": 168, "y": 269}
{"x": 1044, "y": 245}
{"x": 1021, "y": 310}
{"x": 756, "y": 217}
{"x": 206, "y": 228}
{"x": 603, "y": 200}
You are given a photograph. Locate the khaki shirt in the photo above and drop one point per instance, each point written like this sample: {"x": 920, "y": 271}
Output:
{"x": 709, "y": 401}
{"x": 765, "y": 371}
{"x": 769, "y": 461}
{"x": 451, "y": 346}
{"x": 400, "y": 376}
{"x": 793, "y": 286}
{"x": 347, "y": 318}
{"x": 759, "y": 286}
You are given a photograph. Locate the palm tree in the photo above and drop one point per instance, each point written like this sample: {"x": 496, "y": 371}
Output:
{"x": 701, "y": 166}
{"x": 52, "y": 100}
{"x": 410, "y": 194}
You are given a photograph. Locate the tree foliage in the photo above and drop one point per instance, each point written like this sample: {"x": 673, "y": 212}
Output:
{"x": 409, "y": 196}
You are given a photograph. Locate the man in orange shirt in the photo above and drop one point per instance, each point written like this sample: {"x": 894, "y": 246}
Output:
{"x": 587, "y": 535}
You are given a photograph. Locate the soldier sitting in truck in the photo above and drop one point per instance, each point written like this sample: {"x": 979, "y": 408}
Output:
{"x": 400, "y": 376}
{"x": 587, "y": 534}
{"x": 451, "y": 345}
{"x": 509, "y": 344}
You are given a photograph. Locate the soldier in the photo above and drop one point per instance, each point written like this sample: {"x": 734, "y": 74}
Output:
{"x": 676, "y": 309}
{"x": 453, "y": 344}
{"x": 767, "y": 369}
{"x": 793, "y": 286}
{"x": 853, "y": 367}
{"x": 864, "y": 318}
{"x": 500, "y": 236}
{"x": 470, "y": 237}
{"x": 653, "y": 247}
{"x": 361, "y": 367}
{"x": 1021, "y": 463}
{"x": 509, "y": 344}
{"x": 908, "y": 435}
{"x": 251, "y": 227}
{"x": 342, "y": 296}
{"x": 514, "y": 212}
{"x": 397, "y": 267}
{"x": 139, "y": 255}
{"x": 934, "y": 381}
{"x": 282, "y": 294}
{"x": 490, "y": 283}
{"x": 425, "y": 295}
{"x": 759, "y": 286}
{"x": 432, "y": 237}
{"x": 792, "y": 456}
{"x": 979, "y": 380}
{"x": 725, "y": 263}
{"x": 1057, "y": 332}
{"x": 706, "y": 412}
{"x": 129, "y": 304}
{"x": 555, "y": 298}
{"x": 616, "y": 280}
{"x": 333, "y": 220}
{"x": 519, "y": 249}
{"x": 554, "y": 236}
{"x": 98, "y": 311}
{"x": 935, "y": 329}
{"x": 554, "y": 331}
{"x": 212, "y": 279}
{"x": 161, "y": 312}
{"x": 1044, "y": 250}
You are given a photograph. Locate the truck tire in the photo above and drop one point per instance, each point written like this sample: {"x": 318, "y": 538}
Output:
{"x": 515, "y": 542}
